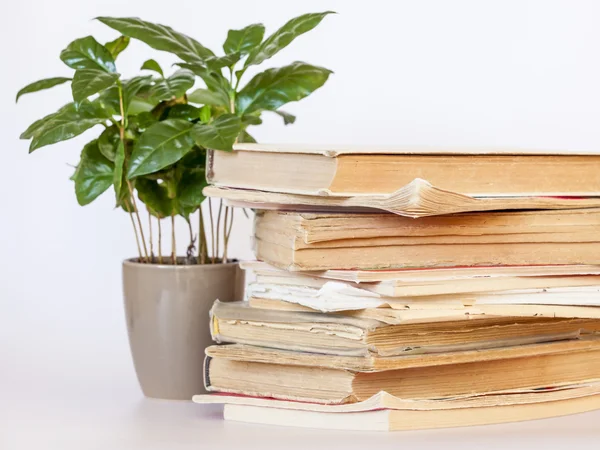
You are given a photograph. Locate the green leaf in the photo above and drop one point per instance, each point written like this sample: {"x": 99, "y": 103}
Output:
{"x": 88, "y": 82}
{"x": 282, "y": 37}
{"x": 108, "y": 141}
{"x": 161, "y": 145}
{"x": 189, "y": 189}
{"x": 205, "y": 114}
{"x": 87, "y": 53}
{"x": 142, "y": 121}
{"x": 38, "y": 124}
{"x": 275, "y": 87}
{"x": 94, "y": 174}
{"x": 206, "y": 97}
{"x": 110, "y": 97}
{"x": 155, "y": 196}
{"x": 218, "y": 62}
{"x": 118, "y": 172}
{"x": 131, "y": 88}
{"x": 214, "y": 81}
{"x": 174, "y": 86}
{"x": 244, "y": 137}
{"x": 159, "y": 37}
{"x": 250, "y": 119}
{"x": 140, "y": 106}
{"x": 151, "y": 64}
{"x": 196, "y": 159}
{"x": 245, "y": 39}
{"x": 287, "y": 117}
{"x": 183, "y": 111}
{"x": 40, "y": 85}
{"x": 219, "y": 134}
{"x": 67, "y": 124}
{"x": 117, "y": 46}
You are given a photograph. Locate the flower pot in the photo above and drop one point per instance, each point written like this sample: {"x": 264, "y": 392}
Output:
{"x": 167, "y": 307}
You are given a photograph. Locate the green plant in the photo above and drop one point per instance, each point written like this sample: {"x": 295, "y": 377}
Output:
{"x": 156, "y": 133}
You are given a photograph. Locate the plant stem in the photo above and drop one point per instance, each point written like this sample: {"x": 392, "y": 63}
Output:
{"x": 122, "y": 138}
{"x": 151, "y": 240}
{"x": 137, "y": 215}
{"x": 160, "y": 259}
{"x": 173, "y": 243}
{"x": 224, "y": 260}
{"x": 190, "y": 249}
{"x": 137, "y": 239}
{"x": 202, "y": 250}
{"x": 227, "y": 234}
{"x": 218, "y": 227}
{"x": 212, "y": 230}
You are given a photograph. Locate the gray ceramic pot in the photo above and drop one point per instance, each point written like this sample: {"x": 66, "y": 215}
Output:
{"x": 168, "y": 324}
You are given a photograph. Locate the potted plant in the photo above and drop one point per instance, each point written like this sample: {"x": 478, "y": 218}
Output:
{"x": 154, "y": 133}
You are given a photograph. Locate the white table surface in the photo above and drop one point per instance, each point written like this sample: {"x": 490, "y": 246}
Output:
{"x": 67, "y": 382}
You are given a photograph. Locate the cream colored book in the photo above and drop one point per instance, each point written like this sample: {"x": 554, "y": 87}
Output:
{"x": 416, "y": 199}
{"x": 335, "y": 296}
{"x": 383, "y": 400}
{"x": 425, "y": 275}
{"x": 426, "y": 282}
{"x": 424, "y": 256}
{"x": 355, "y": 171}
{"x": 306, "y": 230}
{"x": 308, "y": 242}
{"x": 374, "y": 363}
{"x": 525, "y": 374}
{"x": 393, "y": 316}
{"x": 402, "y": 420}
{"x": 358, "y": 335}
{"x": 384, "y": 412}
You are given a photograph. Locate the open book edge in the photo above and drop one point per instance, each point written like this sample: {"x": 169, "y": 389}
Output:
{"x": 417, "y": 199}
{"x": 383, "y": 400}
{"x": 332, "y": 150}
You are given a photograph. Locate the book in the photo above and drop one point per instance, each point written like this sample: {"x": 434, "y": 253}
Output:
{"x": 273, "y": 412}
{"x": 355, "y": 171}
{"x": 422, "y": 282}
{"x": 383, "y": 400}
{"x": 430, "y": 274}
{"x": 525, "y": 374}
{"x": 306, "y": 230}
{"x": 352, "y": 335}
{"x": 416, "y": 199}
{"x": 437, "y": 314}
{"x": 375, "y": 363}
{"x": 424, "y": 256}
{"x": 308, "y": 242}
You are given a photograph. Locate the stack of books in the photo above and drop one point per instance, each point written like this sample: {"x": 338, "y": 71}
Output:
{"x": 399, "y": 289}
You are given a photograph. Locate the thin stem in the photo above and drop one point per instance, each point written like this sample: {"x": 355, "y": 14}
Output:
{"x": 225, "y": 234}
{"x": 173, "y": 243}
{"x": 218, "y": 227}
{"x": 137, "y": 239}
{"x": 212, "y": 230}
{"x": 122, "y": 138}
{"x": 150, "y": 233}
{"x": 190, "y": 249}
{"x": 202, "y": 250}
{"x": 160, "y": 258}
{"x": 137, "y": 215}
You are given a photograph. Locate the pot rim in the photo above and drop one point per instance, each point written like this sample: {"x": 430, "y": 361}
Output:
{"x": 132, "y": 262}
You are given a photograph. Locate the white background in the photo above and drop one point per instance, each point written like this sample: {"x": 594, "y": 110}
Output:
{"x": 452, "y": 73}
